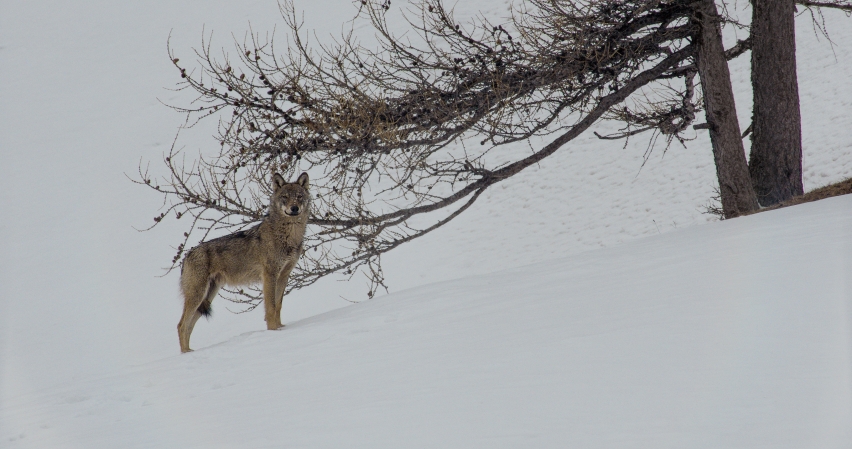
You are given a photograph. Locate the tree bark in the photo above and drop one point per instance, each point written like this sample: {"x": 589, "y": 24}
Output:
{"x": 775, "y": 163}
{"x": 735, "y": 187}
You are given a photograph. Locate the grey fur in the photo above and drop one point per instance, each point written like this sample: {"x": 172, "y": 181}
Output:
{"x": 264, "y": 253}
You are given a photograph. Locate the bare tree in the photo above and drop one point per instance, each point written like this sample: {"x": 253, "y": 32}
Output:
{"x": 402, "y": 138}
{"x": 735, "y": 188}
{"x": 775, "y": 162}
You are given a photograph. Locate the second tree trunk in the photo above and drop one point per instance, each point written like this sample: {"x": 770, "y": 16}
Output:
{"x": 775, "y": 163}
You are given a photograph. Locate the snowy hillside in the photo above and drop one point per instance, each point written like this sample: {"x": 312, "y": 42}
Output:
{"x": 661, "y": 338}
{"x": 735, "y": 334}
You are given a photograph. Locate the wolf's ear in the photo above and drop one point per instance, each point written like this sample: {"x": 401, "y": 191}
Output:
{"x": 277, "y": 181}
{"x": 303, "y": 181}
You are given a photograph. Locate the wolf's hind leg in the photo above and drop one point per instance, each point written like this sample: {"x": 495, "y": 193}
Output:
{"x": 198, "y": 292}
{"x": 185, "y": 325}
{"x": 204, "y": 310}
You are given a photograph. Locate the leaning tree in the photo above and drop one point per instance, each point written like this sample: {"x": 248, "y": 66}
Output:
{"x": 402, "y": 138}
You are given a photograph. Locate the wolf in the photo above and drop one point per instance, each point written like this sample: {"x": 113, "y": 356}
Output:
{"x": 264, "y": 253}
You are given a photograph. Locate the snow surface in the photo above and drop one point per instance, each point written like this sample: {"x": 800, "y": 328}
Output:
{"x": 733, "y": 334}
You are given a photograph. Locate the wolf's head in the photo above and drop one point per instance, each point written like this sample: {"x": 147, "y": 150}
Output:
{"x": 290, "y": 198}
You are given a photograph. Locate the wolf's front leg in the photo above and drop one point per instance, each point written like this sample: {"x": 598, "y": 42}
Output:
{"x": 280, "y": 288}
{"x": 270, "y": 293}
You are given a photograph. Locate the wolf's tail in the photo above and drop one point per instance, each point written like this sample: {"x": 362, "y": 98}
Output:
{"x": 206, "y": 309}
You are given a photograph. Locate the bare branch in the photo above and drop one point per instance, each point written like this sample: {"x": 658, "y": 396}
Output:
{"x": 838, "y": 4}
{"x": 393, "y": 135}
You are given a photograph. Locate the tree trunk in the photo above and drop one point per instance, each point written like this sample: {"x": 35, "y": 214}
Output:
{"x": 735, "y": 188}
{"x": 775, "y": 163}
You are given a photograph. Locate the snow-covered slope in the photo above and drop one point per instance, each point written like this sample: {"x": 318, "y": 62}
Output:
{"x": 736, "y": 334}
{"x": 80, "y": 295}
